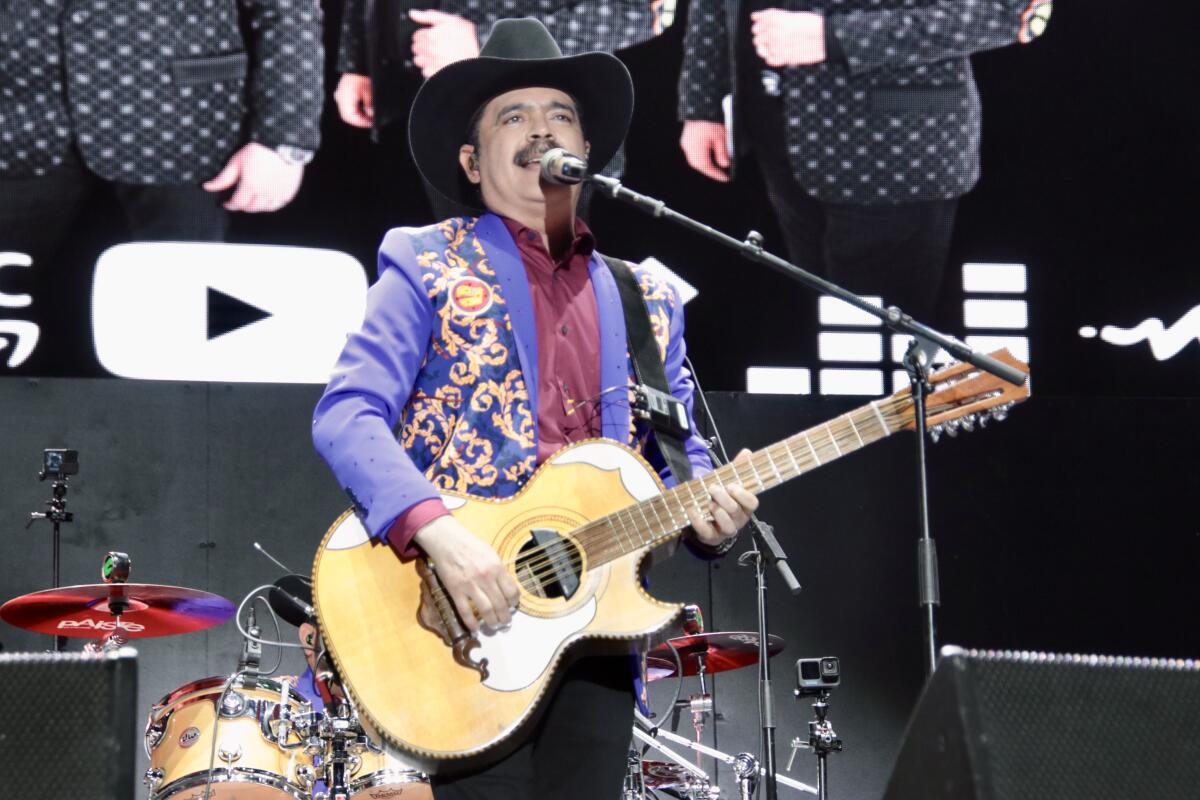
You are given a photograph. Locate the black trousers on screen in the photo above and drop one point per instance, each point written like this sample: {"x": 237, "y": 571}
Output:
{"x": 38, "y": 214}
{"x": 63, "y": 220}
{"x": 578, "y": 749}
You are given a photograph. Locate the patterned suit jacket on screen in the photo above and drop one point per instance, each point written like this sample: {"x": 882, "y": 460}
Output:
{"x": 895, "y": 117}
{"x": 155, "y": 91}
{"x": 376, "y": 39}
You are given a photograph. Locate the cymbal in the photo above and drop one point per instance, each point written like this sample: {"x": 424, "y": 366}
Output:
{"x": 718, "y": 652}
{"x": 86, "y": 611}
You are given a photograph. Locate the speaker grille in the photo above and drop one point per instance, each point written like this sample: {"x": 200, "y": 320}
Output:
{"x": 1002, "y": 725}
{"x": 1096, "y": 726}
{"x": 68, "y": 725}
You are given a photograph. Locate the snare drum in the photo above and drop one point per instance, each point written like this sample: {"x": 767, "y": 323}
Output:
{"x": 382, "y": 776}
{"x": 251, "y": 763}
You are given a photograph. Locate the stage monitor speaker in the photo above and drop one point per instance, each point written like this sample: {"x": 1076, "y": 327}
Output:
{"x": 68, "y": 725}
{"x": 1005, "y": 725}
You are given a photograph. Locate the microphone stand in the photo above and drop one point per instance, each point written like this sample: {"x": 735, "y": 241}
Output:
{"x": 752, "y": 249}
{"x": 766, "y": 550}
{"x": 894, "y": 319}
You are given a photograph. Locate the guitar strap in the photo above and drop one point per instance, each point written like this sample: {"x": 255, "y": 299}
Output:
{"x": 647, "y": 364}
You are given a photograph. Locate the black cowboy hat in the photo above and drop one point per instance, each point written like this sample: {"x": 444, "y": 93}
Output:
{"x": 519, "y": 53}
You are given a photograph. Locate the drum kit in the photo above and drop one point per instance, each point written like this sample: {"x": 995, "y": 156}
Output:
{"x": 240, "y": 737}
{"x": 250, "y": 737}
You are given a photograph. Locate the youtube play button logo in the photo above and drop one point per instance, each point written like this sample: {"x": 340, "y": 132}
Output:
{"x": 224, "y": 312}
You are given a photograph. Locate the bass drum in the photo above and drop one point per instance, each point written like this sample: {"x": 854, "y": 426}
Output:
{"x": 250, "y": 763}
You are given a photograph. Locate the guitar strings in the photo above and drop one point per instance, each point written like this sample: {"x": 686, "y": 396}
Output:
{"x": 553, "y": 555}
{"x": 545, "y": 560}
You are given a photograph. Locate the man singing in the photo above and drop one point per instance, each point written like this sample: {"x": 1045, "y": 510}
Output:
{"x": 491, "y": 342}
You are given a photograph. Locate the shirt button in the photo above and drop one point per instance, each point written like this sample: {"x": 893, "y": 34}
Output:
{"x": 530, "y": 235}
{"x": 564, "y": 330}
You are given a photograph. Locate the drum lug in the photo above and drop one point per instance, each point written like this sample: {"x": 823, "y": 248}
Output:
{"x": 153, "y": 777}
{"x": 229, "y": 752}
{"x": 233, "y": 705}
{"x": 154, "y": 735}
{"x": 305, "y": 776}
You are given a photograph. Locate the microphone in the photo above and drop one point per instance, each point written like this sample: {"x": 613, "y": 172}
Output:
{"x": 559, "y": 166}
{"x": 291, "y": 598}
{"x": 301, "y": 606}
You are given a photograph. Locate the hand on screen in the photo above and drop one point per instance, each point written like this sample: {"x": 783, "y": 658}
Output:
{"x": 355, "y": 102}
{"x": 788, "y": 38}
{"x": 704, "y": 144}
{"x": 264, "y": 181}
{"x": 448, "y": 38}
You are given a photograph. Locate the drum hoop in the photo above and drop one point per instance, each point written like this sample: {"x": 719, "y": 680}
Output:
{"x": 203, "y": 689}
{"x": 238, "y": 775}
{"x": 388, "y": 776}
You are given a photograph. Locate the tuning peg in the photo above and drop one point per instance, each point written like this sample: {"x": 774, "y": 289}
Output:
{"x": 935, "y": 433}
{"x": 968, "y": 423}
{"x": 984, "y": 419}
{"x": 1000, "y": 413}
{"x": 952, "y": 426}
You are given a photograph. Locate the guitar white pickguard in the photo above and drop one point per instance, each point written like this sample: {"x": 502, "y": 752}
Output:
{"x": 634, "y": 477}
{"x": 518, "y": 656}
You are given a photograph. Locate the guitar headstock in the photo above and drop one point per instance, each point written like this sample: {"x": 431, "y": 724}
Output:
{"x": 964, "y": 396}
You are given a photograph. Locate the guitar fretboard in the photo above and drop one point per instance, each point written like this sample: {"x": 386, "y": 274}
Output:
{"x": 655, "y": 521}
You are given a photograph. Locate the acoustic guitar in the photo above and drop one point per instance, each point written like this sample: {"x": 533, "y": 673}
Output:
{"x": 574, "y": 538}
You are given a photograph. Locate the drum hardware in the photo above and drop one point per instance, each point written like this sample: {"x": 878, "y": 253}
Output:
{"x": 745, "y": 769}
{"x": 153, "y": 778}
{"x": 642, "y": 725}
{"x": 682, "y": 778}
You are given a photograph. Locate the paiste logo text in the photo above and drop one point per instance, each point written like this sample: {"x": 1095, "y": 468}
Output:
{"x": 99, "y": 625}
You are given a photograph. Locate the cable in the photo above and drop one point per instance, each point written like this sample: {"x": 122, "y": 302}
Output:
{"x": 278, "y": 635}
{"x": 238, "y": 621}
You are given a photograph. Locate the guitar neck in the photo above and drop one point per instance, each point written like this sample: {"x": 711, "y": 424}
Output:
{"x": 659, "y": 519}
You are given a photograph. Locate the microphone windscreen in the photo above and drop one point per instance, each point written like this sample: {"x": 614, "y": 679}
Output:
{"x": 298, "y": 587}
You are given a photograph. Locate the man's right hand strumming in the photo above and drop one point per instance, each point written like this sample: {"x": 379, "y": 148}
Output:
{"x": 471, "y": 572}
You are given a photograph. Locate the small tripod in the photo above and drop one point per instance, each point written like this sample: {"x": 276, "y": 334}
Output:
{"x": 60, "y": 465}
{"x": 817, "y": 677}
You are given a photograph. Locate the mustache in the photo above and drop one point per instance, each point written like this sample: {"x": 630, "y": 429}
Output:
{"x": 532, "y": 151}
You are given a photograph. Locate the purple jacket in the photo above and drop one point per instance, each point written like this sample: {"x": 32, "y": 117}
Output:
{"x": 437, "y": 391}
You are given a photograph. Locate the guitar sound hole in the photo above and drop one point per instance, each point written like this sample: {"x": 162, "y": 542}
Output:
{"x": 549, "y": 565}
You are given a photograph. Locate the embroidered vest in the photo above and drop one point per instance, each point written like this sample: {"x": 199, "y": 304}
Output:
{"x": 469, "y": 424}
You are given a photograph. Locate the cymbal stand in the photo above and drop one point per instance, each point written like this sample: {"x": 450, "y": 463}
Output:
{"x": 114, "y": 570}
{"x": 748, "y": 763}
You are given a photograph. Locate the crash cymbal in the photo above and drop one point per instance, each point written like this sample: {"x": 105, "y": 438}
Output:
{"x": 88, "y": 611}
{"x": 718, "y": 652}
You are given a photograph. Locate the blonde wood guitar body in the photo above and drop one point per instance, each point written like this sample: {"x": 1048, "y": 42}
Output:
{"x": 403, "y": 676}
